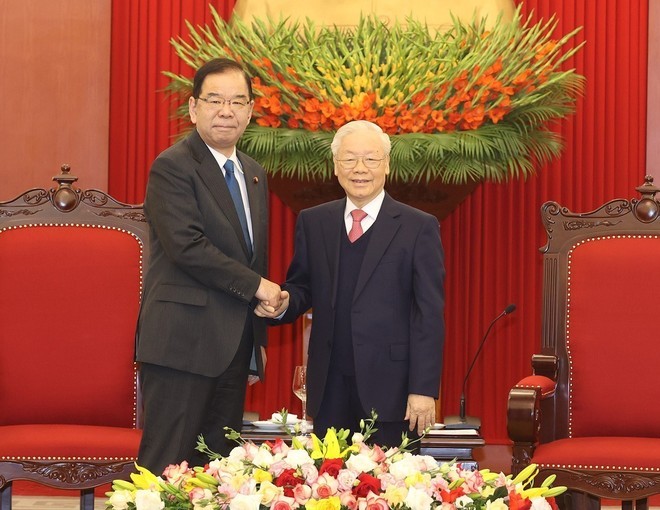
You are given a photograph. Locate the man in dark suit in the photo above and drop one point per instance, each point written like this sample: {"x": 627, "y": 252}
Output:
{"x": 372, "y": 270}
{"x": 207, "y": 207}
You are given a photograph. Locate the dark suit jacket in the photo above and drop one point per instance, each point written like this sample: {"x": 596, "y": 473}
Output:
{"x": 199, "y": 288}
{"x": 397, "y": 316}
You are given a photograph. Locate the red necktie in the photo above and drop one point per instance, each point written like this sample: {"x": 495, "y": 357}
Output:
{"x": 356, "y": 229}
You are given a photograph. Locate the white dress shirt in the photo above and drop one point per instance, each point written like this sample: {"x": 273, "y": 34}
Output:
{"x": 240, "y": 178}
{"x": 372, "y": 209}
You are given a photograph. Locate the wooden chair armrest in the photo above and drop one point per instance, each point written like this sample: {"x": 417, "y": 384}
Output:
{"x": 545, "y": 365}
{"x": 523, "y": 413}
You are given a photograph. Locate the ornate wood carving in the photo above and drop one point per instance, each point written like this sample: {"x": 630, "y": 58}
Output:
{"x": 19, "y": 212}
{"x": 125, "y": 215}
{"x": 72, "y": 473}
{"x": 619, "y": 483}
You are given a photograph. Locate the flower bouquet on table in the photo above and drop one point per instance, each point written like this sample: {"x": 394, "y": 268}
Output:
{"x": 339, "y": 472}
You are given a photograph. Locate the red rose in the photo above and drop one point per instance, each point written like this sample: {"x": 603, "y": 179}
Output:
{"x": 367, "y": 484}
{"x": 331, "y": 466}
{"x": 288, "y": 480}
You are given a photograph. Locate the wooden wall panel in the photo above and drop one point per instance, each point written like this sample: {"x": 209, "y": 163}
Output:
{"x": 54, "y": 85}
{"x": 653, "y": 105}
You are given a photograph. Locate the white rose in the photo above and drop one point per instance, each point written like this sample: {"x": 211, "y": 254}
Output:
{"x": 120, "y": 499}
{"x": 269, "y": 492}
{"x": 428, "y": 462}
{"x": 403, "y": 468}
{"x": 463, "y": 502}
{"x": 263, "y": 458}
{"x": 419, "y": 500}
{"x": 245, "y": 502}
{"x": 540, "y": 504}
{"x": 296, "y": 458}
{"x": 237, "y": 453}
{"x": 357, "y": 438}
{"x": 148, "y": 500}
{"x": 360, "y": 463}
{"x": 498, "y": 504}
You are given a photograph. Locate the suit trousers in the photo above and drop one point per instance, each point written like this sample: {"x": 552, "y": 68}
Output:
{"x": 341, "y": 408}
{"x": 179, "y": 406}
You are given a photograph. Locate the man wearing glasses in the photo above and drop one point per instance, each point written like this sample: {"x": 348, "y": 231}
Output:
{"x": 207, "y": 207}
{"x": 372, "y": 270}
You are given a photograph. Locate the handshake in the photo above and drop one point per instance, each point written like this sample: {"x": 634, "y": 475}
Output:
{"x": 273, "y": 301}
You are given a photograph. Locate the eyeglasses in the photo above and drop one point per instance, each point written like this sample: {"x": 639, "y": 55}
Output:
{"x": 217, "y": 103}
{"x": 368, "y": 162}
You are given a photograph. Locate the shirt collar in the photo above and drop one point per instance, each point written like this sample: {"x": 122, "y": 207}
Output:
{"x": 222, "y": 159}
{"x": 372, "y": 208}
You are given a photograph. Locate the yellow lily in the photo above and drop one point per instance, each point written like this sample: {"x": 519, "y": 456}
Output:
{"x": 146, "y": 479}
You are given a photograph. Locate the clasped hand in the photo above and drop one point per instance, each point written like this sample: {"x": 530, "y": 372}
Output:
{"x": 273, "y": 301}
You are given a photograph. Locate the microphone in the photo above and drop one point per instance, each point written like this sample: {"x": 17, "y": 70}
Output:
{"x": 470, "y": 422}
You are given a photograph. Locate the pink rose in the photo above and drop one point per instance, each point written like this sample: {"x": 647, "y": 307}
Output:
{"x": 323, "y": 491}
{"x": 198, "y": 494}
{"x": 302, "y": 494}
{"x": 348, "y": 500}
{"x": 324, "y": 487}
{"x": 375, "y": 502}
{"x": 346, "y": 477}
{"x": 280, "y": 505}
{"x": 177, "y": 473}
{"x": 310, "y": 473}
{"x": 278, "y": 446}
{"x": 377, "y": 454}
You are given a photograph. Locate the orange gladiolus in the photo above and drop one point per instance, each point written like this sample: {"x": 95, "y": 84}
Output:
{"x": 472, "y": 117}
{"x": 269, "y": 121}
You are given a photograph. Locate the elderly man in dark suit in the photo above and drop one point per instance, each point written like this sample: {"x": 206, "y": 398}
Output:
{"x": 207, "y": 207}
{"x": 372, "y": 270}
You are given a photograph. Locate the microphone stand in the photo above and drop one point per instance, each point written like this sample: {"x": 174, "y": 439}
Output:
{"x": 471, "y": 422}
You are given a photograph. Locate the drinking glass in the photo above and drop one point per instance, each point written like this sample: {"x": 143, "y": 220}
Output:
{"x": 300, "y": 390}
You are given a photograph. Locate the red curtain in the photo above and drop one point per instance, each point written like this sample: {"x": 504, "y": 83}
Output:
{"x": 491, "y": 241}
{"x": 141, "y": 127}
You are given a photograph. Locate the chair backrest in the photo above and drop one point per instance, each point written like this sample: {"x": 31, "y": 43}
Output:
{"x": 71, "y": 267}
{"x": 599, "y": 305}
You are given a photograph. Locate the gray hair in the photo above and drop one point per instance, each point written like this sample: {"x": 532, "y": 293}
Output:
{"x": 356, "y": 126}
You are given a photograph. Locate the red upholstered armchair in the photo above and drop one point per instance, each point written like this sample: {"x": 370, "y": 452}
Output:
{"x": 70, "y": 282}
{"x": 590, "y": 414}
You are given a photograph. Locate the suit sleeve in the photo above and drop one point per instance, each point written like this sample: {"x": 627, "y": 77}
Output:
{"x": 427, "y": 327}
{"x": 298, "y": 282}
{"x": 174, "y": 213}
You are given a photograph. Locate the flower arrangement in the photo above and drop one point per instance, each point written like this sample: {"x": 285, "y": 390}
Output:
{"x": 469, "y": 103}
{"x": 328, "y": 474}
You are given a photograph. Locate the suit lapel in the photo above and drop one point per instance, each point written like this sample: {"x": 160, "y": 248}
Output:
{"x": 333, "y": 229}
{"x": 211, "y": 174}
{"x": 252, "y": 185}
{"x": 384, "y": 230}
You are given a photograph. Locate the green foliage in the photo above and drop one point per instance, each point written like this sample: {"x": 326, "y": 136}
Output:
{"x": 513, "y": 75}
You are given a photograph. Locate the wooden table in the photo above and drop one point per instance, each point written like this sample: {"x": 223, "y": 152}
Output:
{"x": 452, "y": 444}
{"x": 443, "y": 445}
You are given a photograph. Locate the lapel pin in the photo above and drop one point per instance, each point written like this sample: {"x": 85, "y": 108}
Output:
{"x": 255, "y": 180}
